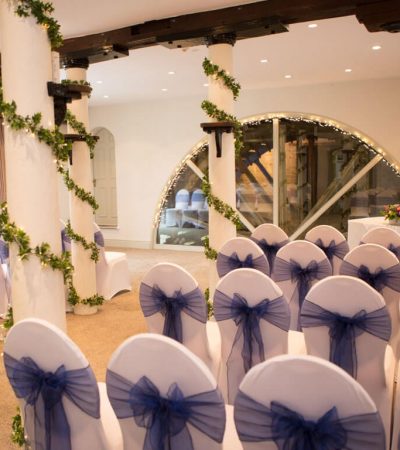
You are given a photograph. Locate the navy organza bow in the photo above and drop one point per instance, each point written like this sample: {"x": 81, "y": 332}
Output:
{"x": 332, "y": 249}
{"x": 344, "y": 330}
{"x": 4, "y": 252}
{"x": 395, "y": 250}
{"x": 166, "y": 418}
{"x": 65, "y": 240}
{"x": 154, "y": 300}
{"x": 45, "y": 420}
{"x": 247, "y": 320}
{"x": 379, "y": 279}
{"x": 99, "y": 238}
{"x": 291, "y": 431}
{"x": 302, "y": 276}
{"x": 226, "y": 264}
{"x": 270, "y": 250}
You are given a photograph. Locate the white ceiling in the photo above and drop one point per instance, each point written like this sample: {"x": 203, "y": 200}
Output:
{"x": 311, "y": 56}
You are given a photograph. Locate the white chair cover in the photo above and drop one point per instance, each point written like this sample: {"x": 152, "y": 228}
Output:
{"x": 243, "y": 250}
{"x": 171, "y": 278}
{"x": 197, "y": 199}
{"x": 254, "y": 287}
{"x": 5, "y": 289}
{"x": 348, "y": 296}
{"x": 50, "y": 348}
{"x": 384, "y": 236}
{"x": 164, "y": 362}
{"x": 112, "y": 271}
{"x": 375, "y": 257}
{"x": 327, "y": 236}
{"x": 302, "y": 253}
{"x": 182, "y": 199}
{"x": 305, "y": 384}
{"x": 268, "y": 234}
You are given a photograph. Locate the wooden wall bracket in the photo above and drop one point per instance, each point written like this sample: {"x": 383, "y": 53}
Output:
{"x": 218, "y": 128}
{"x": 70, "y": 137}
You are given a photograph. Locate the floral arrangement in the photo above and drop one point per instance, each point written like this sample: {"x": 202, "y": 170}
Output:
{"x": 392, "y": 212}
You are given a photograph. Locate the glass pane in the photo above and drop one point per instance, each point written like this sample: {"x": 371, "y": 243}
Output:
{"x": 315, "y": 161}
{"x": 379, "y": 187}
{"x": 254, "y": 174}
{"x": 184, "y": 216}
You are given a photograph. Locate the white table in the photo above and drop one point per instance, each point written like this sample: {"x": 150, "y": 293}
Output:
{"x": 358, "y": 227}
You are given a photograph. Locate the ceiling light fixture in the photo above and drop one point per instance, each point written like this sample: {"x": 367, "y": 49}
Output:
{"x": 263, "y": 61}
{"x": 205, "y": 84}
{"x": 164, "y": 89}
{"x": 376, "y": 47}
{"x": 171, "y": 72}
{"x": 99, "y": 82}
{"x": 312, "y": 25}
{"x": 348, "y": 70}
{"x": 105, "y": 96}
{"x": 288, "y": 76}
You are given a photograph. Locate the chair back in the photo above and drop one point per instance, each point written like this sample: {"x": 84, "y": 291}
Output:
{"x": 367, "y": 262}
{"x": 332, "y": 242}
{"x": 182, "y": 199}
{"x": 241, "y": 252}
{"x": 248, "y": 336}
{"x": 309, "y": 387}
{"x": 328, "y": 337}
{"x": 270, "y": 238}
{"x": 305, "y": 256}
{"x": 197, "y": 199}
{"x": 49, "y": 348}
{"x": 384, "y": 236}
{"x": 172, "y": 279}
{"x": 164, "y": 362}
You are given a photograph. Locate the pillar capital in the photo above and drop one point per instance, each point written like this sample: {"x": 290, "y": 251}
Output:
{"x": 78, "y": 63}
{"x": 224, "y": 38}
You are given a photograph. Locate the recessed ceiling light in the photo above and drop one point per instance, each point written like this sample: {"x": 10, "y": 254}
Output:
{"x": 205, "y": 84}
{"x": 164, "y": 89}
{"x": 263, "y": 61}
{"x": 99, "y": 82}
{"x": 105, "y": 96}
{"x": 288, "y": 76}
{"x": 376, "y": 47}
{"x": 348, "y": 70}
{"x": 312, "y": 25}
{"x": 171, "y": 72}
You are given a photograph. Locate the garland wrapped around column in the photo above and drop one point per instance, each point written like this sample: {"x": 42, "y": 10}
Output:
{"x": 214, "y": 112}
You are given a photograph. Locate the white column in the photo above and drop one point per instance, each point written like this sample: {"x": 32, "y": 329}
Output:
{"x": 30, "y": 170}
{"x": 221, "y": 170}
{"x": 81, "y": 213}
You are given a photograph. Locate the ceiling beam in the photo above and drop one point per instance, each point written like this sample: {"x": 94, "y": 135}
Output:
{"x": 250, "y": 20}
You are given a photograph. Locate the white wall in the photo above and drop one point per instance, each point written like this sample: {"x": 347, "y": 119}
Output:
{"x": 152, "y": 137}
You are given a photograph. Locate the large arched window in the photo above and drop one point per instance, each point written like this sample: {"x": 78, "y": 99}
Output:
{"x": 296, "y": 171}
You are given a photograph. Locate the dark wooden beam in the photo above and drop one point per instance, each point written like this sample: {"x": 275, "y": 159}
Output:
{"x": 251, "y": 20}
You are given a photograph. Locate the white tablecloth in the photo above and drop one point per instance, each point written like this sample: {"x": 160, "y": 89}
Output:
{"x": 358, "y": 227}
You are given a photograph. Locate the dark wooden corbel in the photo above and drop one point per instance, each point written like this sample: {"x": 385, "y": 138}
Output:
{"x": 70, "y": 137}
{"x": 218, "y": 128}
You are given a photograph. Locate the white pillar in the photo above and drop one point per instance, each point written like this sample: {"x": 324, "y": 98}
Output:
{"x": 31, "y": 173}
{"x": 81, "y": 213}
{"x": 221, "y": 170}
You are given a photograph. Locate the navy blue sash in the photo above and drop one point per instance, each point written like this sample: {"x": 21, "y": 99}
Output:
{"x": 270, "y": 250}
{"x": 332, "y": 249}
{"x": 154, "y": 300}
{"x": 291, "y": 431}
{"x": 166, "y": 418}
{"x": 247, "y": 319}
{"x": 46, "y": 423}
{"x": 344, "y": 330}
{"x": 226, "y": 264}
{"x": 379, "y": 279}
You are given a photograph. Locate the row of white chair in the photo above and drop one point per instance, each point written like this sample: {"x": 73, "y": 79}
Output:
{"x": 159, "y": 395}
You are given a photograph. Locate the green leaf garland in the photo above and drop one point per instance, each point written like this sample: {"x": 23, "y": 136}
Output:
{"x": 215, "y": 71}
{"x": 79, "y": 127}
{"x": 90, "y": 246}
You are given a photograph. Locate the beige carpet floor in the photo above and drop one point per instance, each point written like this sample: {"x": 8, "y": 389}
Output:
{"x": 99, "y": 335}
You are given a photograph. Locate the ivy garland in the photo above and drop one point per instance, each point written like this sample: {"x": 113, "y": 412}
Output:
{"x": 79, "y": 127}
{"x": 90, "y": 246}
{"x": 42, "y": 12}
{"x": 211, "y": 69}
{"x": 214, "y": 112}
{"x": 18, "y": 432}
{"x": 9, "y": 319}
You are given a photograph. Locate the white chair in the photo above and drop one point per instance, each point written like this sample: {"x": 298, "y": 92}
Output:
{"x": 197, "y": 199}
{"x": 367, "y": 262}
{"x": 253, "y": 318}
{"x": 305, "y": 388}
{"x": 327, "y": 315}
{"x": 35, "y": 355}
{"x": 298, "y": 265}
{"x": 384, "y": 236}
{"x": 5, "y": 291}
{"x": 270, "y": 239}
{"x": 167, "y": 282}
{"x": 158, "y": 366}
{"x": 332, "y": 242}
{"x": 182, "y": 199}
{"x": 112, "y": 271}
{"x": 240, "y": 253}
